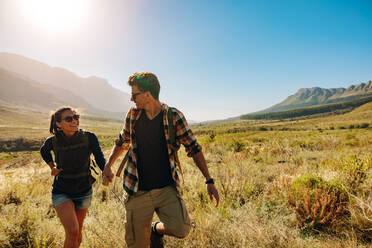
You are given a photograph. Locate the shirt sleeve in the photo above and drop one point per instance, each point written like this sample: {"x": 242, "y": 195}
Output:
{"x": 45, "y": 150}
{"x": 185, "y": 135}
{"x": 96, "y": 150}
{"x": 124, "y": 135}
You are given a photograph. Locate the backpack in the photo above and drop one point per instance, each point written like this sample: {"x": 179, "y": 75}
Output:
{"x": 58, "y": 148}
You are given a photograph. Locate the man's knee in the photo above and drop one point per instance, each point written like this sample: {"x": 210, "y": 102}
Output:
{"x": 180, "y": 231}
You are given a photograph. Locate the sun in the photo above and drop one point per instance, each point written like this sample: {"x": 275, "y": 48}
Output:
{"x": 56, "y": 16}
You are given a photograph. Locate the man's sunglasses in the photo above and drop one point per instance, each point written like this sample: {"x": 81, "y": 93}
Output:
{"x": 134, "y": 95}
{"x": 70, "y": 118}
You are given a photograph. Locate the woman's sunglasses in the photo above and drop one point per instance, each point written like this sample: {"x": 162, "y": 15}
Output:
{"x": 70, "y": 118}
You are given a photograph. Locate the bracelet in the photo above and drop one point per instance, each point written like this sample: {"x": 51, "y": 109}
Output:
{"x": 209, "y": 181}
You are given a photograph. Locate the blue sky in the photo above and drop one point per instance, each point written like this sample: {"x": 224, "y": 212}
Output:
{"x": 214, "y": 59}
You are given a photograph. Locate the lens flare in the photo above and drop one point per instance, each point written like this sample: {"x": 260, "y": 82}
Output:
{"x": 55, "y": 16}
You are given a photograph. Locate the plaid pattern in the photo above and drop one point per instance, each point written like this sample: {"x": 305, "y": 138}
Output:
{"x": 184, "y": 136}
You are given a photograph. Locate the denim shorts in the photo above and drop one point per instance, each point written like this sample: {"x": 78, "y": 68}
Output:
{"x": 80, "y": 202}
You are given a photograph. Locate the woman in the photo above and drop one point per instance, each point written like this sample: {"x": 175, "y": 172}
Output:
{"x": 72, "y": 186}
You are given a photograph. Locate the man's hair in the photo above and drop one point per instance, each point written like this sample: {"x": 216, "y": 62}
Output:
{"x": 145, "y": 81}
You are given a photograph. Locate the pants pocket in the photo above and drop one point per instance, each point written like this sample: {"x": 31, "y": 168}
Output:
{"x": 129, "y": 228}
{"x": 185, "y": 214}
{"x": 126, "y": 197}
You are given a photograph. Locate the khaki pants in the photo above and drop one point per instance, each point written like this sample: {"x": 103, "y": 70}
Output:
{"x": 140, "y": 208}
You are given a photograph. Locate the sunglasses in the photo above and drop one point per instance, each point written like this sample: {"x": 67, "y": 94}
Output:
{"x": 134, "y": 95}
{"x": 70, "y": 118}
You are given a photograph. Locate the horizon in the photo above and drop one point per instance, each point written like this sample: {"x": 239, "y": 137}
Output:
{"x": 214, "y": 60}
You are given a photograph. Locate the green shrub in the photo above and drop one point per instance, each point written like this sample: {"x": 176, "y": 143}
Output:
{"x": 308, "y": 181}
{"x": 237, "y": 146}
{"x": 212, "y": 137}
{"x": 364, "y": 125}
{"x": 318, "y": 204}
{"x": 306, "y": 144}
{"x": 320, "y": 210}
{"x": 356, "y": 169}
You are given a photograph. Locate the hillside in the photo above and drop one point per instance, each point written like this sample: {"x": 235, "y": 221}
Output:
{"x": 362, "y": 112}
{"x": 25, "y": 128}
{"x": 315, "y": 96}
{"x": 260, "y": 167}
{"x": 324, "y": 109}
{"x": 18, "y": 90}
{"x": 94, "y": 90}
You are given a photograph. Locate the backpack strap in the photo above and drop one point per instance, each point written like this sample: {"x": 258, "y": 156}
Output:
{"x": 85, "y": 142}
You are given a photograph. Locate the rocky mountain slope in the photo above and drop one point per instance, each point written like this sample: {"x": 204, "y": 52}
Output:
{"x": 316, "y": 96}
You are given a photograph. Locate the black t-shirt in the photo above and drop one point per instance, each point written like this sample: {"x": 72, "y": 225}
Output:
{"x": 152, "y": 158}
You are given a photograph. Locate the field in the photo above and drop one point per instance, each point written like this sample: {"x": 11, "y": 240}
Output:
{"x": 291, "y": 183}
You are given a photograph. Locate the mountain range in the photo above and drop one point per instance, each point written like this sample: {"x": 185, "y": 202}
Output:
{"x": 308, "y": 97}
{"x": 52, "y": 86}
{"x": 38, "y": 86}
{"x": 18, "y": 90}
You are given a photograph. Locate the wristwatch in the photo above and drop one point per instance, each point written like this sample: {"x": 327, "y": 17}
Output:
{"x": 209, "y": 181}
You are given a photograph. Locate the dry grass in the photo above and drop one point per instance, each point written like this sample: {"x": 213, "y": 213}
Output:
{"x": 256, "y": 172}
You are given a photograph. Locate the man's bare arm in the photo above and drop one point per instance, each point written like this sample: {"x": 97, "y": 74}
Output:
{"x": 199, "y": 160}
{"x": 115, "y": 153}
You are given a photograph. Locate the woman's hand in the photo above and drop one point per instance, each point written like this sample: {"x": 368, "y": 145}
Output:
{"x": 107, "y": 175}
{"x": 55, "y": 171}
{"x": 105, "y": 181}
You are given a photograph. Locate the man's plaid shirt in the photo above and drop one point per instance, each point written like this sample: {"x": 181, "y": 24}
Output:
{"x": 184, "y": 136}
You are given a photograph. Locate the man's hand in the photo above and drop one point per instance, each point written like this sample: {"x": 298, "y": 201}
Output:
{"x": 213, "y": 193}
{"x": 117, "y": 150}
{"x": 105, "y": 182}
{"x": 55, "y": 171}
{"x": 124, "y": 146}
{"x": 107, "y": 175}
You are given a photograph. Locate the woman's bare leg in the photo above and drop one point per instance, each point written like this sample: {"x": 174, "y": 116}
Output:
{"x": 80, "y": 214}
{"x": 67, "y": 215}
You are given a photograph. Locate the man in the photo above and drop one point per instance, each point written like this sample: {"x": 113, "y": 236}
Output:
{"x": 151, "y": 176}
